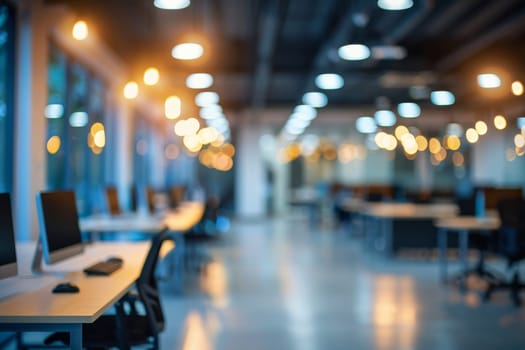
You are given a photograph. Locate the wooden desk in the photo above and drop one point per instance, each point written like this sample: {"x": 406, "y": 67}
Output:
{"x": 35, "y": 308}
{"x": 463, "y": 226}
{"x": 382, "y": 221}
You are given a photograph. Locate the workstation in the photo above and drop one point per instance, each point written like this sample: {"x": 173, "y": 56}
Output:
{"x": 318, "y": 173}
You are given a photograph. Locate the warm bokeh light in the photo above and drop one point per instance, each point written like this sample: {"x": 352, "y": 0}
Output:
{"x": 80, "y": 30}
{"x": 131, "y": 90}
{"x": 187, "y": 127}
{"x": 151, "y": 76}
{"x": 517, "y": 88}
{"x": 172, "y": 107}
{"x": 472, "y": 135}
{"x": 187, "y": 51}
{"x": 379, "y": 139}
{"x": 434, "y": 146}
{"x": 453, "y": 143}
{"x": 207, "y": 135}
{"x": 519, "y": 140}
{"x": 400, "y": 131}
{"x": 222, "y": 162}
{"x": 99, "y": 139}
{"x": 500, "y": 122}
{"x": 96, "y": 127}
{"x": 53, "y": 144}
{"x": 192, "y": 143}
{"x": 481, "y": 127}
{"x": 390, "y": 142}
{"x": 228, "y": 149}
{"x": 458, "y": 159}
{"x": 422, "y": 143}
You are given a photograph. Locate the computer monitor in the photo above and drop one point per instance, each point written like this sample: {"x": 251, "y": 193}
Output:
{"x": 59, "y": 229}
{"x": 8, "y": 264}
{"x": 112, "y": 200}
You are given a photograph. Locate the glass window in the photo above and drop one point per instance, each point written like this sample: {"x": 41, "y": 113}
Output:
{"x": 76, "y": 135}
{"x": 6, "y": 95}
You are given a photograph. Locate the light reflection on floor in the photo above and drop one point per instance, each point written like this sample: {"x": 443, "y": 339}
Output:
{"x": 281, "y": 285}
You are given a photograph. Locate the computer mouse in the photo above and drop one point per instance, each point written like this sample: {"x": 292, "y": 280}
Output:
{"x": 66, "y": 288}
{"x": 115, "y": 260}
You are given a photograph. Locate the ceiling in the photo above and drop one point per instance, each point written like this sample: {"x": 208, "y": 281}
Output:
{"x": 266, "y": 53}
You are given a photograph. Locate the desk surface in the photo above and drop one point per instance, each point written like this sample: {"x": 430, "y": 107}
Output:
{"x": 182, "y": 219}
{"x": 36, "y": 304}
{"x": 410, "y": 210}
{"x": 469, "y": 223}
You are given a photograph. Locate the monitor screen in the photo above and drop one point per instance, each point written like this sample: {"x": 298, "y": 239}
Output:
{"x": 8, "y": 266}
{"x": 59, "y": 230}
{"x": 112, "y": 199}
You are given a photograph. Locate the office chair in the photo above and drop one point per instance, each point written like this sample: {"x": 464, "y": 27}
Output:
{"x": 511, "y": 245}
{"x": 139, "y": 318}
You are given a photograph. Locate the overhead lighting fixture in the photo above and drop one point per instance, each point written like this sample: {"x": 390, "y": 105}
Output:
{"x": 54, "y": 111}
{"x": 199, "y": 81}
{"x": 408, "y": 110}
{"x": 131, "y": 90}
{"x": 171, "y": 4}
{"x": 389, "y": 52}
{"x": 395, "y": 5}
{"x": 365, "y": 125}
{"x": 151, "y": 76}
{"x": 442, "y": 98}
{"x": 305, "y": 111}
{"x": 80, "y": 30}
{"x": 315, "y": 99}
{"x": 206, "y": 98}
{"x": 329, "y": 81}
{"x": 385, "y": 117}
{"x": 187, "y": 51}
{"x": 172, "y": 107}
{"x": 354, "y": 52}
{"x": 78, "y": 119}
{"x": 489, "y": 80}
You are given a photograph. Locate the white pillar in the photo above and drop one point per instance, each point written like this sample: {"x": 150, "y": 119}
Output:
{"x": 249, "y": 184}
{"x": 30, "y": 126}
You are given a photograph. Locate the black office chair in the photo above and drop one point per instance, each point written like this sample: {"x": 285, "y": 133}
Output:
{"x": 139, "y": 318}
{"x": 511, "y": 245}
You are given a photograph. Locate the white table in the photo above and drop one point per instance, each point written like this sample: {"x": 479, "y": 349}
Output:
{"x": 463, "y": 226}
{"x": 27, "y": 303}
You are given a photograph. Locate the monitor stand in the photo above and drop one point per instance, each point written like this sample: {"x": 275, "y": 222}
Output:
{"x": 36, "y": 266}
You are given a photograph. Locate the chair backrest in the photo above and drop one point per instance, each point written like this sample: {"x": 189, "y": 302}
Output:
{"x": 512, "y": 232}
{"x": 147, "y": 286}
{"x": 112, "y": 200}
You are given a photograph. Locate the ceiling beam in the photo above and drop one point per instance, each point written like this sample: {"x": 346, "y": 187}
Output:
{"x": 512, "y": 26}
{"x": 268, "y": 29}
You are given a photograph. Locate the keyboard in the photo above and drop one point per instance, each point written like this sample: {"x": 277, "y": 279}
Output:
{"x": 103, "y": 268}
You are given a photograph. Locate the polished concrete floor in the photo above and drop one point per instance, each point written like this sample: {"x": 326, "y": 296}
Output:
{"x": 286, "y": 284}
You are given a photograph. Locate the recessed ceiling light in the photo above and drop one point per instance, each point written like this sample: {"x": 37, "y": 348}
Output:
{"x": 385, "y": 117}
{"x": 187, "y": 51}
{"x": 329, "y": 81}
{"x": 408, "y": 110}
{"x": 171, "y": 4}
{"x": 54, "y": 111}
{"x": 78, "y": 119}
{"x": 365, "y": 125}
{"x": 489, "y": 80}
{"x": 442, "y": 98}
{"x": 315, "y": 99}
{"x": 199, "y": 81}
{"x": 393, "y": 5}
{"x": 354, "y": 52}
{"x": 206, "y": 98}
